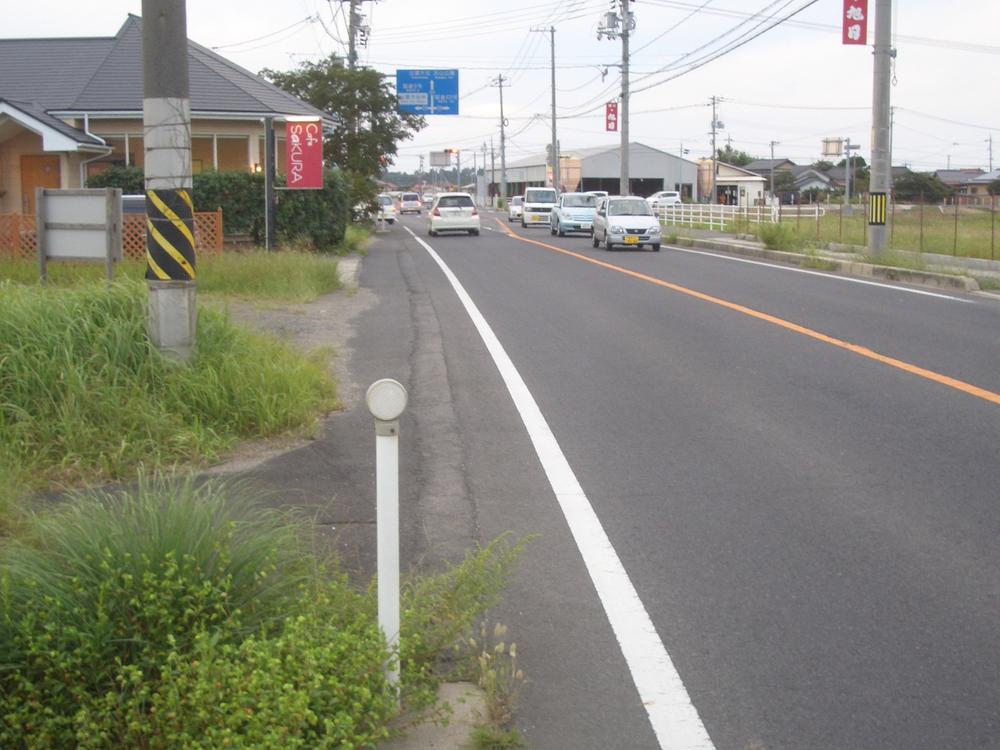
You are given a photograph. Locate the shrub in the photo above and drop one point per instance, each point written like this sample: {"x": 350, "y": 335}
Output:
{"x": 181, "y": 616}
{"x": 777, "y": 236}
{"x": 130, "y": 179}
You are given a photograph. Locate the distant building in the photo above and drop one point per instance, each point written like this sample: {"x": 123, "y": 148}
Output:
{"x": 734, "y": 186}
{"x": 970, "y": 185}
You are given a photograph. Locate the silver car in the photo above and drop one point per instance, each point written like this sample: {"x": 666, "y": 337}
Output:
{"x": 626, "y": 221}
{"x": 573, "y": 213}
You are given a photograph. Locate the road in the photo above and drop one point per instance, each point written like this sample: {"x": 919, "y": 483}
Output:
{"x": 797, "y": 472}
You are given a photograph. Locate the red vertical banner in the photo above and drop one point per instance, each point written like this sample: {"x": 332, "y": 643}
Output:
{"x": 855, "y": 22}
{"x": 304, "y": 155}
{"x": 611, "y": 117}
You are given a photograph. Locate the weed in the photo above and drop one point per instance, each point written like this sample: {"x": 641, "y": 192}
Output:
{"x": 777, "y": 237}
{"x": 494, "y": 738}
{"x": 498, "y": 674}
{"x": 990, "y": 283}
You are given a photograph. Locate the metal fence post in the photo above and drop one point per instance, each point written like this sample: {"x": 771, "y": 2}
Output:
{"x": 921, "y": 221}
{"x": 993, "y": 226}
{"x": 954, "y": 246}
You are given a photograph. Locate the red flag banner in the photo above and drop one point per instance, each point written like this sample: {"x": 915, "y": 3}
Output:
{"x": 855, "y": 22}
{"x": 304, "y": 155}
{"x": 611, "y": 117}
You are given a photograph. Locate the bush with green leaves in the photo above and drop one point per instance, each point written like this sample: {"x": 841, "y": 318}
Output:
{"x": 130, "y": 179}
{"x": 182, "y": 614}
{"x": 777, "y": 236}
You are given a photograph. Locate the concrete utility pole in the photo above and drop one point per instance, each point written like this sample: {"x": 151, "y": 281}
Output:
{"x": 352, "y": 34}
{"x": 880, "y": 183}
{"x": 623, "y": 113}
{"x": 166, "y": 119}
{"x": 551, "y": 31}
{"x": 493, "y": 166}
{"x": 715, "y": 152}
{"x": 503, "y": 141}
{"x": 773, "y": 144}
{"x": 990, "y": 142}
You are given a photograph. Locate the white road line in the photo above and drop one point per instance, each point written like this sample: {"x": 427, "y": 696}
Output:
{"x": 674, "y": 718}
{"x": 821, "y": 274}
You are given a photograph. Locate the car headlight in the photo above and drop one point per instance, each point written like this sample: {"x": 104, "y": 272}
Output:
{"x": 654, "y": 230}
{"x": 617, "y": 230}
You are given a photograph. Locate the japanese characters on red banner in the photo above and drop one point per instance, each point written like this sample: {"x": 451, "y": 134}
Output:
{"x": 304, "y": 155}
{"x": 855, "y": 21}
{"x": 611, "y": 117}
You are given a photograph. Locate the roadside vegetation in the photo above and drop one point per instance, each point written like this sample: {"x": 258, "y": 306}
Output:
{"x": 183, "y": 614}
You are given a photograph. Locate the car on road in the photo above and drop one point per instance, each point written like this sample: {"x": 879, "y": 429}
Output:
{"x": 514, "y": 208}
{"x": 598, "y": 193}
{"x": 573, "y": 213}
{"x": 627, "y": 221}
{"x": 453, "y": 212}
{"x": 427, "y": 199}
{"x": 386, "y": 209}
{"x": 664, "y": 198}
{"x": 538, "y": 205}
{"x": 410, "y": 203}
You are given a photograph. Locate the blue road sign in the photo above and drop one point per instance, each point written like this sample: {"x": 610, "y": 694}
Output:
{"x": 427, "y": 92}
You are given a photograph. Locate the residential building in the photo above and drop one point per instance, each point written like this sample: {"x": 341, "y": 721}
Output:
{"x": 734, "y": 186}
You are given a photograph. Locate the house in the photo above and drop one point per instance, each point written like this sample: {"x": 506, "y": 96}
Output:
{"x": 808, "y": 179}
{"x": 764, "y": 167}
{"x": 734, "y": 186}
{"x": 71, "y": 107}
{"x": 971, "y": 186}
{"x": 599, "y": 168}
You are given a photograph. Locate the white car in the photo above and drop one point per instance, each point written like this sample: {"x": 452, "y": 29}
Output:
{"x": 513, "y": 208}
{"x": 538, "y": 205}
{"x": 664, "y": 198}
{"x": 410, "y": 202}
{"x": 453, "y": 212}
{"x": 627, "y": 221}
{"x": 386, "y": 209}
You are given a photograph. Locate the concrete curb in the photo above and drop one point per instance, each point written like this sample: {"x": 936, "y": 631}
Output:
{"x": 468, "y": 709}
{"x": 837, "y": 265}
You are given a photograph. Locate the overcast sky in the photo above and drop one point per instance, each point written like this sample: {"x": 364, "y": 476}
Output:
{"x": 795, "y": 84}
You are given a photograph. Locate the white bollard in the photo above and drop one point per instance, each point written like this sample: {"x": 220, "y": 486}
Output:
{"x": 386, "y": 401}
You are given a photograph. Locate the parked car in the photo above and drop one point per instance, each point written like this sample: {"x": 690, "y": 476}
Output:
{"x": 409, "y": 203}
{"x": 386, "y": 208}
{"x": 625, "y": 220}
{"x": 538, "y": 205}
{"x": 664, "y": 198}
{"x": 514, "y": 208}
{"x": 453, "y": 212}
{"x": 573, "y": 213}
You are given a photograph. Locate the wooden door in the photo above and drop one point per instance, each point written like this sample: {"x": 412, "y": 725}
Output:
{"x": 37, "y": 171}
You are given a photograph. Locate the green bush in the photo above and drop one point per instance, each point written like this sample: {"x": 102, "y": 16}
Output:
{"x": 130, "y": 179}
{"x": 777, "y": 236}
{"x": 85, "y": 395}
{"x": 181, "y": 616}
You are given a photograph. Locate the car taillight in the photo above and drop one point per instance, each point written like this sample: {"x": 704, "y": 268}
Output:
{"x": 475, "y": 211}
{"x": 435, "y": 212}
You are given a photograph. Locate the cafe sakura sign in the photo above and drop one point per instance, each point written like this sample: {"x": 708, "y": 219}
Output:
{"x": 304, "y": 154}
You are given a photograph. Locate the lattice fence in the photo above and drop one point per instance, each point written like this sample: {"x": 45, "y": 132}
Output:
{"x": 18, "y": 237}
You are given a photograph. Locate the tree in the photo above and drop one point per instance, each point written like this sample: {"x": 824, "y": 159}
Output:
{"x": 858, "y": 162}
{"x": 371, "y": 126}
{"x": 733, "y": 156}
{"x": 913, "y": 186}
{"x": 994, "y": 187}
{"x": 822, "y": 165}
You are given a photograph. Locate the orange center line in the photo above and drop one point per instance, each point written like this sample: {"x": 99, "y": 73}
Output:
{"x": 862, "y": 351}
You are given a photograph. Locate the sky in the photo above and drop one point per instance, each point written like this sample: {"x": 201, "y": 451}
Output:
{"x": 795, "y": 84}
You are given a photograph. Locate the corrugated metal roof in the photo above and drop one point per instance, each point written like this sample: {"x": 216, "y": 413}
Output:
{"x": 105, "y": 75}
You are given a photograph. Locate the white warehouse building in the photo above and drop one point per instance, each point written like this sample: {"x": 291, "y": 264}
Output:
{"x": 599, "y": 168}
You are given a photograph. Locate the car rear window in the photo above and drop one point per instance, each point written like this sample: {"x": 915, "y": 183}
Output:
{"x": 411, "y": 197}
{"x": 455, "y": 201}
{"x": 540, "y": 196}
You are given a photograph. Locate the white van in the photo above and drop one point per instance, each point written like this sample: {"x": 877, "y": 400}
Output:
{"x": 537, "y": 206}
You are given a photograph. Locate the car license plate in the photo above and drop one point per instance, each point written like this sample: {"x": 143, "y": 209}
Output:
{"x": 536, "y": 217}
{"x": 631, "y": 239}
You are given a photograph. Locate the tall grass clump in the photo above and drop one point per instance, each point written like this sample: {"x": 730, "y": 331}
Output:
{"x": 287, "y": 276}
{"x": 181, "y": 615}
{"x": 777, "y": 236}
{"x": 85, "y": 395}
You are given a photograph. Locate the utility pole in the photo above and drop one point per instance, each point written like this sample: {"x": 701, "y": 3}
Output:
{"x": 493, "y": 166}
{"x": 990, "y": 141}
{"x": 881, "y": 169}
{"x": 551, "y": 31}
{"x": 352, "y": 31}
{"x": 773, "y": 144}
{"x": 715, "y": 153}
{"x": 166, "y": 119}
{"x": 503, "y": 141}
{"x": 615, "y": 25}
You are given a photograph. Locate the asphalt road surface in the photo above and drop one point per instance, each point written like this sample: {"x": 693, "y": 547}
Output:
{"x": 798, "y": 473}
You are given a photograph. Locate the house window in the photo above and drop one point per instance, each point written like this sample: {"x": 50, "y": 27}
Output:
{"x": 136, "y": 152}
{"x": 233, "y": 153}
{"x": 279, "y": 153}
{"x": 202, "y": 153}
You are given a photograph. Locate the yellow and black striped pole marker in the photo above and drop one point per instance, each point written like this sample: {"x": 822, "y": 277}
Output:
{"x": 878, "y": 206}
{"x": 169, "y": 235}
{"x": 166, "y": 119}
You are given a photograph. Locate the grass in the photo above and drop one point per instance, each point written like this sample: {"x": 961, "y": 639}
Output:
{"x": 85, "y": 397}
